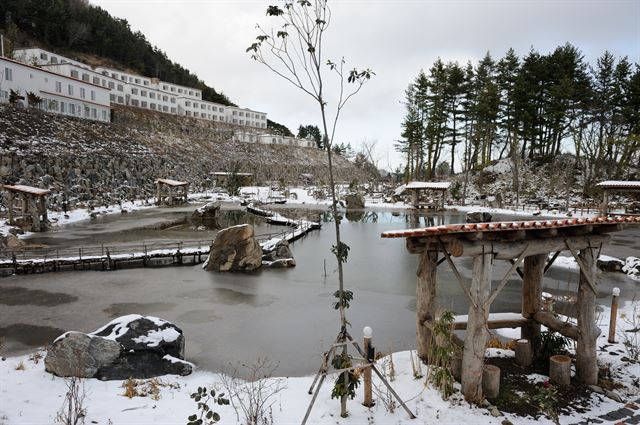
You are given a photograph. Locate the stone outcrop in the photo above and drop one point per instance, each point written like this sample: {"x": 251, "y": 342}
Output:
{"x": 86, "y": 163}
{"x": 130, "y": 346}
{"x": 610, "y": 265}
{"x": 479, "y": 217}
{"x": 206, "y": 215}
{"x": 235, "y": 249}
{"x": 280, "y": 257}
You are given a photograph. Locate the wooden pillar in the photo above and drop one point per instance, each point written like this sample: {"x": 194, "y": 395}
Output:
{"x": 43, "y": 206}
{"x": 10, "y": 206}
{"x": 604, "y": 208}
{"x": 475, "y": 342}
{"x": 586, "y": 359}
{"x": 414, "y": 197}
{"x": 34, "y": 212}
{"x": 531, "y": 296}
{"x": 158, "y": 193}
{"x": 426, "y": 299}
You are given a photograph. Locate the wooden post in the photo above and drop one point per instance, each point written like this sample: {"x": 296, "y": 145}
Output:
{"x": 604, "y": 208}
{"x": 531, "y": 294}
{"x": 366, "y": 374}
{"x": 158, "y": 184}
{"x": 560, "y": 370}
{"x": 426, "y": 299}
{"x": 475, "y": 342}
{"x": 10, "y": 206}
{"x": 491, "y": 381}
{"x": 524, "y": 354}
{"x": 614, "y": 315}
{"x": 586, "y": 360}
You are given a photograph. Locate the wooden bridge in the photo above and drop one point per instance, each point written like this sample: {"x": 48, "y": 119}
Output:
{"x": 104, "y": 257}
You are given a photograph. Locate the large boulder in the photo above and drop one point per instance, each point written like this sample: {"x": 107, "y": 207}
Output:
{"x": 610, "y": 264}
{"x": 235, "y": 249}
{"x": 479, "y": 217}
{"x": 130, "y": 346}
{"x": 354, "y": 201}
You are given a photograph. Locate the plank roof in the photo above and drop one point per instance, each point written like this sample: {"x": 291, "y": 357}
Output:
{"x": 619, "y": 184}
{"x": 170, "y": 182}
{"x": 27, "y": 189}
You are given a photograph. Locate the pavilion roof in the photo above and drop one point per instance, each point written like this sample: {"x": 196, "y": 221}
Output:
{"x": 619, "y": 184}
{"x": 505, "y": 226}
{"x": 27, "y": 189}
{"x": 170, "y": 182}
{"x": 428, "y": 185}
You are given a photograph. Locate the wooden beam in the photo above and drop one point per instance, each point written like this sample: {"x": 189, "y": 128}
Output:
{"x": 584, "y": 269}
{"x": 578, "y": 231}
{"x": 495, "y": 324}
{"x": 458, "y": 276}
{"x": 586, "y": 358}
{"x": 475, "y": 342}
{"x": 510, "y": 250}
{"x": 506, "y": 278}
{"x": 552, "y": 322}
{"x": 425, "y": 299}
{"x": 543, "y": 233}
{"x": 550, "y": 262}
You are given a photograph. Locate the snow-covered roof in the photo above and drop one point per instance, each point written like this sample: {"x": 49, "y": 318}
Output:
{"x": 226, "y": 173}
{"x": 428, "y": 185}
{"x": 27, "y": 189}
{"x": 619, "y": 184}
{"x": 170, "y": 182}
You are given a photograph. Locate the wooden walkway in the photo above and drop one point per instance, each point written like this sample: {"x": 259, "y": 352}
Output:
{"x": 104, "y": 257}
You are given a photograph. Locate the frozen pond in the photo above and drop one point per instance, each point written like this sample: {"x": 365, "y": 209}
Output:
{"x": 284, "y": 314}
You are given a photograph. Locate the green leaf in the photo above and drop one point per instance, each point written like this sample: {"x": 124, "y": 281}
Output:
{"x": 216, "y": 417}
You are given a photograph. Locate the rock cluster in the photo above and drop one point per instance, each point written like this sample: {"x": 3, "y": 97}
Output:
{"x": 479, "y": 217}
{"x": 130, "y": 346}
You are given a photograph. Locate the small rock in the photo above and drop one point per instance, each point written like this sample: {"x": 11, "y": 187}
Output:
{"x": 479, "y": 217}
{"x": 507, "y": 422}
{"x": 485, "y": 403}
{"x": 495, "y": 412}
{"x": 614, "y": 396}
{"x": 596, "y": 389}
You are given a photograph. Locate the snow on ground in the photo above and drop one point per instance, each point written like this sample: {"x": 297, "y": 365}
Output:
{"x": 631, "y": 266}
{"x": 32, "y": 396}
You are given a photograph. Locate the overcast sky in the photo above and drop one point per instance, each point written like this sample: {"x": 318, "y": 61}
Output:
{"x": 395, "y": 38}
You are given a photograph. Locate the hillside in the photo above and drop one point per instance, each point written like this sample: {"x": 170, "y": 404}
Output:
{"x": 104, "y": 163}
{"x": 79, "y": 30}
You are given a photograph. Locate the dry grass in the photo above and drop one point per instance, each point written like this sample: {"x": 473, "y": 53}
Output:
{"x": 20, "y": 366}
{"x": 146, "y": 388}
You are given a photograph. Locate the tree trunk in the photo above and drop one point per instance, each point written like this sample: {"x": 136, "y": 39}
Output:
{"x": 586, "y": 359}
{"x": 426, "y": 300}
{"x": 531, "y": 294}
{"x": 475, "y": 342}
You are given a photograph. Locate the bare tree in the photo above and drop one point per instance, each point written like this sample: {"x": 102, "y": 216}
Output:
{"x": 294, "y": 51}
{"x": 73, "y": 411}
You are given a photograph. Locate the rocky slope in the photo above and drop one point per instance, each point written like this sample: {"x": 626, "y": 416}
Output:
{"x": 83, "y": 161}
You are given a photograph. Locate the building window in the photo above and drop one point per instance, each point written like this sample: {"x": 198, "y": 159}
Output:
{"x": 187, "y": 103}
{"x": 165, "y": 109}
{"x": 54, "y": 59}
{"x": 165, "y": 98}
{"x": 120, "y": 87}
{"x": 173, "y": 89}
{"x": 104, "y": 115}
{"x": 96, "y": 81}
{"x": 190, "y": 93}
{"x": 112, "y": 97}
{"x": 82, "y": 92}
{"x": 70, "y": 88}
{"x": 112, "y": 85}
{"x": 63, "y": 107}
{"x": 152, "y": 106}
{"x": 173, "y": 110}
{"x": 85, "y": 77}
{"x": 143, "y": 93}
{"x": 144, "y": 104}
{"x": 134, "y": 91}
{"x": 146, "y": 83}
{"x": 74, "y": 73}
{"x": 137, "y": 80}
{"x": 179, "y": 90}
{"x": 43, "y": 56}
{"x": 72, "y": 108}
{"x": 8, "y": 74}
{"x": 164, "y": 87}
{"x": 93, "y": 95}
{"x": 86, "y": 111}
{"x": 58, "y": 87}
{"x": 152, "y": 95}
{"x": 120, "y": 99}
{"x": 134, "y": 102}
{"x": 173, "y": 100}
{"x": 94, "y": 113}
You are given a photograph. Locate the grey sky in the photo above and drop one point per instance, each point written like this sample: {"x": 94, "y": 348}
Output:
{"x": 395, "y": 38}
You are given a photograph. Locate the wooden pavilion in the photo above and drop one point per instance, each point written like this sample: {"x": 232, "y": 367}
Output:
{"x": 612, "y": 186}
{"x": 171, "y": 192}
{"x": 31, "y": 205}
{"x": 527, "y": 243}
{"x": 418, "y": 189}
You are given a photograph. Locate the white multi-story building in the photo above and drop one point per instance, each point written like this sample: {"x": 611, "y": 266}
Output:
{"x": 144, "y": 92}
{"x": 272, "y": 139}
{"x": 58, "y": 93}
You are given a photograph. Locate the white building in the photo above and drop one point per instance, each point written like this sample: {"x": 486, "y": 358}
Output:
{"x": 272, "y": 139}
{"x": 59, "y": 93}
{"x": 144, "y": 92}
